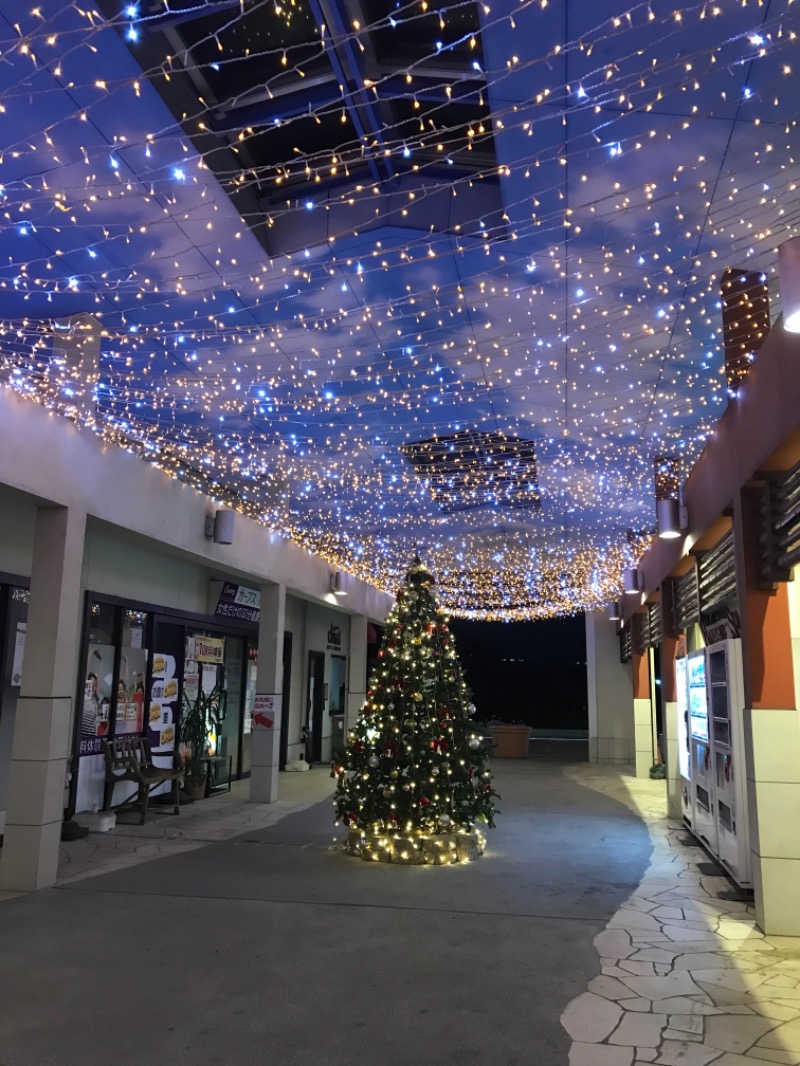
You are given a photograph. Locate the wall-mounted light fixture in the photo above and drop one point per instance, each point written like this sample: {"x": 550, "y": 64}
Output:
{"x": 789, "y": 271}
{"x": 670, "y": 507}
{"x": 219, "y": 527}
{"x": 632, "y": 581}
{"x": 337, "y": 584}
{"x": 673, "y": 517}
{"x": 613, "y": 611}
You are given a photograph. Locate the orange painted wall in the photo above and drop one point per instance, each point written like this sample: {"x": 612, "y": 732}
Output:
{"x": 668, "y": 648}
{"x": 641, "y": 676}
{"x": 766, "y": 633}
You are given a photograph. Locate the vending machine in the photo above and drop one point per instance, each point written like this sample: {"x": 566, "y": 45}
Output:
{"x": 726, "y": 708}
{"x": 684, "y": 752}
{"x": 704, "y": 823}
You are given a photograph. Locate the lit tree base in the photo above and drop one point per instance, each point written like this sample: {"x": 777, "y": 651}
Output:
{"x": 419, "y": 849}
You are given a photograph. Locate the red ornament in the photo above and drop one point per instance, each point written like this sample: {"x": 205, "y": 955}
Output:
{"x": 424, "y": 801}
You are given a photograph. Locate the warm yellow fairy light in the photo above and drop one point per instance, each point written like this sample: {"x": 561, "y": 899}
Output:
{"x": 614, "y": 377}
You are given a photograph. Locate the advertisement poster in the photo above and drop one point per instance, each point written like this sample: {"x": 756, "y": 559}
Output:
{"x": 19, "y": 651}
{"x": 97, "y": 695}
{"x": 163, "y": 705}
{"x": 130, "y": 697}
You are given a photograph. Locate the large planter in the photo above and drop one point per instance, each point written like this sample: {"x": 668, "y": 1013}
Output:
{"x": 195, "y": 787}
{"x": 510, "y": 741}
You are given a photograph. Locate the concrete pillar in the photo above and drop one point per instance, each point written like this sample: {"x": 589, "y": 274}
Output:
{"x": 771, "y": 732}
{"x": 609, "y": 691}
{"x": 357, "y": 679}
{"x": 642, "y": 713}
{"x": 36, "y": 800}
{"x": 669, "y": 646}
{"x": 269, "y": 681}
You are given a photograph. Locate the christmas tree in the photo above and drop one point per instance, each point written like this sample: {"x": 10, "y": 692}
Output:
{"x": 413, "y": 785}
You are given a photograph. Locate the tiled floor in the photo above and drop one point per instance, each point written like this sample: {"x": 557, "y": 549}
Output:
{"x": 220, "y": 817}
{"x": 686, "y": 978}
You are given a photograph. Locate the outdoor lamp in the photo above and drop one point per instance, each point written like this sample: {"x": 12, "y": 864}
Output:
{"x": 672, "y": 517}
{"x": 631, "y": 581}
{"x": 613, "y": 611}
{"x": 789, "y": 270}
{"x": 337, "y": 584}
{"x": 219, "y": 527}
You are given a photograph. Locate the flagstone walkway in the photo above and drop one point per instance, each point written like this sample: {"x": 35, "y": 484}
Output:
{"x": 686, "y": 978}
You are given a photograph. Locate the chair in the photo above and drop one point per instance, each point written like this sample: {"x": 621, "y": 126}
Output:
{"x": 130, "y": 759}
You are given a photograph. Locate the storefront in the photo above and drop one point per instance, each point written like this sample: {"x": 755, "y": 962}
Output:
{"x": 141, "y": 665}
{"x": 13, "y": 621}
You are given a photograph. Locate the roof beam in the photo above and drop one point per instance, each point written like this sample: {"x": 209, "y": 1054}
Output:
{"x": 199, "y": 9}
{"x": 349, "y": 69}
{"x": 272, "y": 109}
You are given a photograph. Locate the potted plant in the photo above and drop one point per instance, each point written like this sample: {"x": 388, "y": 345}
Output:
{"x": 199, "y": 717}
{"x": 510, "y": 740}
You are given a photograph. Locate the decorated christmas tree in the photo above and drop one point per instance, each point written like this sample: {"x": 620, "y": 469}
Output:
{"x": 413, "y": 785}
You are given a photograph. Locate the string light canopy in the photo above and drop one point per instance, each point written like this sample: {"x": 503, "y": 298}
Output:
{"x": 271, "y": 246}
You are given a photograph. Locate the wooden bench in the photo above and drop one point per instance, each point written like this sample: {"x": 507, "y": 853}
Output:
{"x": 130, "y": 759}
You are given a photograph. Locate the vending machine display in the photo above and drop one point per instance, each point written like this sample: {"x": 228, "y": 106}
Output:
{"x": 704, "y": 823}
{"x": 684, "y": 753}
{"x": 726, "y": 705}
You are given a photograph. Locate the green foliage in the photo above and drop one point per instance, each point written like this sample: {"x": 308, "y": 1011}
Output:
{"x": 414, "y": 762}
{"x": 199, "y": 717}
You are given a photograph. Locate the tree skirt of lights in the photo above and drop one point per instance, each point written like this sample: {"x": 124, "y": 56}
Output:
{"x": 410, "y": 849}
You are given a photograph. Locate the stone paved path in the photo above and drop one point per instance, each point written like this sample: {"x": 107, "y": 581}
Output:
{"x": 686, "y": 979}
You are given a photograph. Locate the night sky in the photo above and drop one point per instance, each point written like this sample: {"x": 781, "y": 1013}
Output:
{"x": 531, "y": 672}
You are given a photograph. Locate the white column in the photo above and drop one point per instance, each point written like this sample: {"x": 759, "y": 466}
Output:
{"x": 609, "y": 691}
{"x": 772, "y": 741}
{"x": 674, "y": 779}
{"x": 269, "y": 681}
{"x": 643, "y": 736}
{"x": 357, "y": 669}
{"x": 36, "y": 800}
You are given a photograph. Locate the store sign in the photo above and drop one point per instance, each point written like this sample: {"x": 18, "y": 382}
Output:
{"x": 264, "y": 711}
{"x": 206, "y": 649}
{"x": 239, "y": 601}
{"x": 726, "y": 628}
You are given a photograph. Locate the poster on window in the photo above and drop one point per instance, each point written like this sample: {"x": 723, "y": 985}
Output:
{"x": 163, "y": 704}
{"x": 97, "y": 696}
{"x": 130, "y": 696}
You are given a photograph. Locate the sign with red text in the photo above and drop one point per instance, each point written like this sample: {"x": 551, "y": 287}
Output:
{"x": 264, "y": 711}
